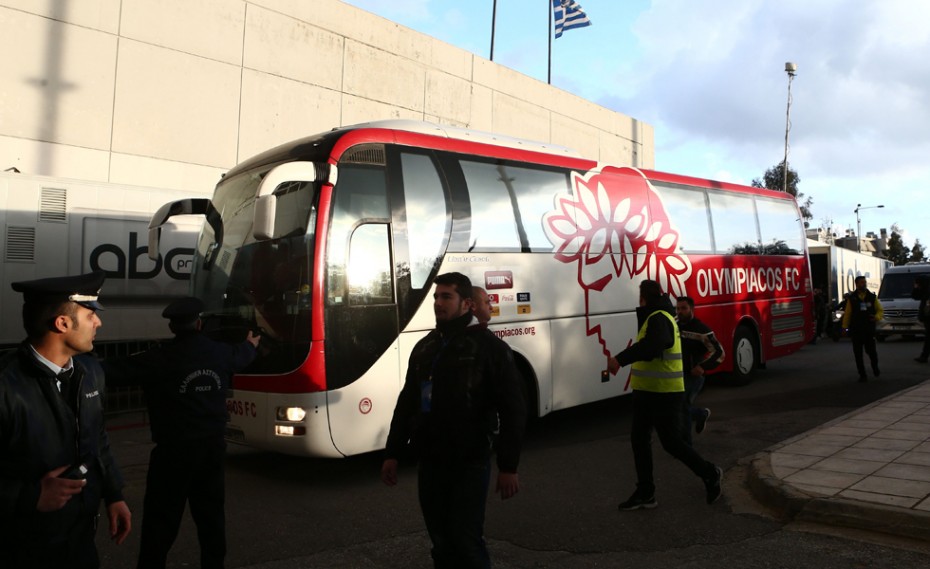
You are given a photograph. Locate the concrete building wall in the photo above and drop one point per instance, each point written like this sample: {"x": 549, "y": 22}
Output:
{"x": 172, "y": 93}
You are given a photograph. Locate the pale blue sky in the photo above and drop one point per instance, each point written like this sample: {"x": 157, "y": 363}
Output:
{"x": 709, "y": 76}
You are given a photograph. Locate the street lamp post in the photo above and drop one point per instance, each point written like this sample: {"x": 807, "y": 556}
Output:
{"x": 790, "y": 69}
{"x": 859, "y": 224}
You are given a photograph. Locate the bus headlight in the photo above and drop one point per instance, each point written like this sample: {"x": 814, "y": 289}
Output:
{"x": 292, "y": 414}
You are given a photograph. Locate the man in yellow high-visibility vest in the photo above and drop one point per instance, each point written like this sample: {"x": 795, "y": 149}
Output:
{"x": 657, "y": 379}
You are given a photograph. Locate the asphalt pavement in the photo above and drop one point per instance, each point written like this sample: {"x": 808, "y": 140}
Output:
{"x": 869, "y": 469}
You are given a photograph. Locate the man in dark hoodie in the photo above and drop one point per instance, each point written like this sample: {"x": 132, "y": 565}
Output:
{"x": 460, "y": 379}
{"x": 657, "y": 379}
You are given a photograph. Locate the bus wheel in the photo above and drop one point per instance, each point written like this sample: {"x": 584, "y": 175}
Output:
{"x": 745, "y": 355}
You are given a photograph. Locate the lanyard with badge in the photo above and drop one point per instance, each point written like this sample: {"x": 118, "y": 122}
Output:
{"x": 426, "y": 387}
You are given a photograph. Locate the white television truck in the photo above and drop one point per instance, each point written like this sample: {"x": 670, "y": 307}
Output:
{"x": 834, "y": 269}
{"x": 54, "y": 226}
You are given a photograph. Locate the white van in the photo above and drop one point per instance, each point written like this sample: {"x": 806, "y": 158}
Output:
{"x": 895, "y": 296}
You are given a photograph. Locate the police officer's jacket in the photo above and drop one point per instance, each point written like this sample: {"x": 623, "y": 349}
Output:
{"x": 42, "y": 429}
{"x": 861, "y": 312}
{"x": 460, "y": 378}
{"x": 185, "y": 382}
{"x": 656, "y": 355}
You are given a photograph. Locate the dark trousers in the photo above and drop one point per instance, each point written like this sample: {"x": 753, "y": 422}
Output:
{"x": 452, "y": 498}
{"x": 925, "y": 351}
{"x": 74, "y": 548}
{"x": 864, "y": 341}
{"x": 661, "y": 412}
{"x": 179, "y": 474}
{"x": 693, "y": 386}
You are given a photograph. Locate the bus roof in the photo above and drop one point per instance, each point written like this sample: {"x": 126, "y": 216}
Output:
{"x": 303, "y": 147}
{"x": 412, "y": 129}
{"x": 472, "y": 135}
{"x": 712, "y": 184}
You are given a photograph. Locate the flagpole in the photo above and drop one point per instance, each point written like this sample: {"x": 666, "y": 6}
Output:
{"x": 549, "y": 73}
{"x": 493, "y": 22}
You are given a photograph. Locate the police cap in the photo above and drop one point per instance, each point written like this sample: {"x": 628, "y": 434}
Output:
{"x": 82, "y": 289}
{"x": 183, "y": 310}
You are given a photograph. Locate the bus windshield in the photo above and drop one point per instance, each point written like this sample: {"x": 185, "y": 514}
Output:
{"x": 262, "y": 285}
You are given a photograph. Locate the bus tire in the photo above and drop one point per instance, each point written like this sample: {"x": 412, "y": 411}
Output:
{"x": 745, "y": 355}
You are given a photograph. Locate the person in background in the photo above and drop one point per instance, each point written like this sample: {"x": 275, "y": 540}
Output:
{"x": 921, "y": 293}
{"x": 657, "y": 379}
{"x": 701, "y": 352}
{"x": 481, "y": 304}
{"x": 460, "y": 379}
{"x": 185, "y": 383}
{"x": 819, "y": 307}
{"x": 55, "y": 459}
{"x": 860, "y": 313}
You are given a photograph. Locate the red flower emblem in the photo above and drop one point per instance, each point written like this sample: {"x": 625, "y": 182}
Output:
{"x": 615, "y": 225}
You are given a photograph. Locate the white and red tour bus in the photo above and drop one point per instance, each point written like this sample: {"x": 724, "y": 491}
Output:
{"x": 330, "y": 245}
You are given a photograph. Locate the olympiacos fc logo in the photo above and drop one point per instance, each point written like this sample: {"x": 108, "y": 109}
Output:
{"x": 615, "y": 226}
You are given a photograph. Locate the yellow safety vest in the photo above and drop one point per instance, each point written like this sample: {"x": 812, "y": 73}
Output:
{"x": 664, "y": 374}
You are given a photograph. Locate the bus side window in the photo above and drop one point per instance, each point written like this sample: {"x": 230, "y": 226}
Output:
{"x": 361, "y": 194}
{"x": 369, "y": 267}
{"x": 778, "y": 223}
{"x": 426, "y": 215}
{"x": 687, "y": 211}
{"x": 508, "y": 203}
{"x": 735, "y": 229}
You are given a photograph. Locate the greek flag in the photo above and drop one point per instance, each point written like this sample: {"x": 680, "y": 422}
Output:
{"x": 568, "y": 15}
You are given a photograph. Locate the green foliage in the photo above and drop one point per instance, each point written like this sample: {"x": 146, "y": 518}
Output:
{"x": 917, "y": 253}
{"x": 897, "y": 252}
{"x": 774, "y": 179}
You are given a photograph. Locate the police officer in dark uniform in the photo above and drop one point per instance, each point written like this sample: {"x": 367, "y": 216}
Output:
{"x": 55, "y": 460}
{"x": 185, "y": 383}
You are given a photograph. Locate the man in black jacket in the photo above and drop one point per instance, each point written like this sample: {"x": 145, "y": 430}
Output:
{"x": 460, "y": 379}
{"x": 701, "y": 352}
{"x": 185, "y": 383}
{"x": 55, "y": 459}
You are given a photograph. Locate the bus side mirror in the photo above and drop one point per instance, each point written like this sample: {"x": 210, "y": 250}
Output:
{"x": 186, "y": 206}
{"x": 266, "y": 200}
{"x": 154, "y": 237}
{"x": 263, "y": 227}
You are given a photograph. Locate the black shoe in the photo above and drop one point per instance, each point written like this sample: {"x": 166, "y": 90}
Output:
{"x": 713, "y": 485}
{"x": 863, "y": 378}
{"x": 636, "y": 502}
{"x": 921, "y": 359}
{"x": 701, "y": 423}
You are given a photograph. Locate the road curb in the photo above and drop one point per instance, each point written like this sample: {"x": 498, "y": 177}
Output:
{"x": 784, "y": 500}
{"x": 788, "y": 503}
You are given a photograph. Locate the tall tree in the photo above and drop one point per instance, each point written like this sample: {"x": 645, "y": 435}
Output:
{"x": 774, "y": 179}
{"x": 917, "y": 253}
{"x": 897, "y": 252}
